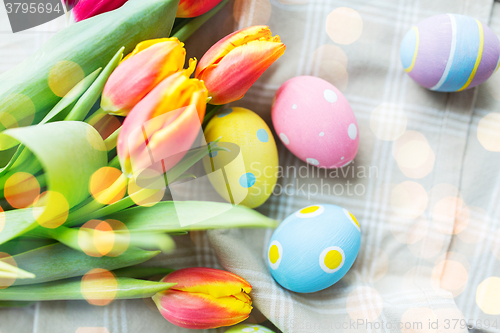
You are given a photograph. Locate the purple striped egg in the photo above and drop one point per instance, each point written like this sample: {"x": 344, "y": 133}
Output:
{"x": 450, "y": 52}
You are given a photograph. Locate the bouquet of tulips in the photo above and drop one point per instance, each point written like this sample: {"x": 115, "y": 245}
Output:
{"x": 94, "y": 128}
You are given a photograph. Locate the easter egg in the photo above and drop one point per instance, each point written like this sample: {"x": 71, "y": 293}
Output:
{"x": 248, "y": 178}
{"x": 249, "y": 328}
{"x": 450, "y": 52}
{"x": 314, "y": 248}
{"x": 315, "y": 122}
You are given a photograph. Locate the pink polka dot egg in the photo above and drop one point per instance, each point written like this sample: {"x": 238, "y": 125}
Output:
{"x": 315, "y": 122}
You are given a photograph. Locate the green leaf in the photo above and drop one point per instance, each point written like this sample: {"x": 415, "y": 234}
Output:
{"x": 85, "y": 103}
{"x": 163, "y": 217}
{"x": 71, "y": 289}
{"x": 22, "y": 155}
{"x": 192, "y": 157}
{"x": 72, "y": 96}
{"x": 14, "y": 304}
{"x": 139, "y": 272}
{"x": 88, "y": 44}
{"x": 17, "y": 222}
{"x": 69, "y": 152}
{"x": 57, "y": 262}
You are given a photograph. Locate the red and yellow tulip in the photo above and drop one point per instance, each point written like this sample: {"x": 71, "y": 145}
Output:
{"x": 192, "y": 8}
{"x": 232, "y": 65}
{"x": 204, "y": 298}
{"x": 150, "y": 62}
{"x": 163, "y": 126}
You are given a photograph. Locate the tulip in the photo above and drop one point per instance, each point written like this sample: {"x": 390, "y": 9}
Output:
{"x": 150, "y": 63}
{"x": 85, "y": 9}
{"x": 233, "y": 64}
{"x": 192, "y": 8}
{"x": 204, "y": 298}
{"x": 163, "y": 126}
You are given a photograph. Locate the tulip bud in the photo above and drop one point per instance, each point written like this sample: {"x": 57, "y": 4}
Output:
{"x": 233, "y": 64}
{"x": 140, "y": 71}
{"x": 163, "y": 126}
{"x": 192, "y": 8}
{"x": 204, "y": 298}
{"x": 85, "y": 9}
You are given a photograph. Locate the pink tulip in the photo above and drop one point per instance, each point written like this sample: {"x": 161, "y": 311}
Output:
{"x": 192, "y": 8}
{"x": 163, "y": 126}
{"x": 151, "y": 62}
{"x": 85, "y": 9}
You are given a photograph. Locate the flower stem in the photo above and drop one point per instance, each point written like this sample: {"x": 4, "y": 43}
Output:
{"x": 210, "y": 114}
{"x": 111, "y": 140}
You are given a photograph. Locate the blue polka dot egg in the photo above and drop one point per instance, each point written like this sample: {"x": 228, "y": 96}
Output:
{"x": 248, "y": 178}
{"x": 314, "y": 248}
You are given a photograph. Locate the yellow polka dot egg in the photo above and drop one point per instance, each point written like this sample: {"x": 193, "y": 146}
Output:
{"x": 314, "y": 248}
{"x": 246, "y": 173}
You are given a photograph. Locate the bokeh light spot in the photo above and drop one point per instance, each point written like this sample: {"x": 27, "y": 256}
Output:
{"x": 63, "y": 76}
{"x": 105, "y": 124}
{"x": 252, "y": 12}
{"x": 108, "y": 185}
{"x": 99, "y": 287}
{"x": 329, "y": 62}
{"x": 6, "y": 282}
{"x": 21, "y": 189}
{"x": 50, "y": 209}
{"x": 450, "y": 215}
{"x": 19, "y": 105}
{"x": 408, "y": 199}
{"x": 488, "y": 296}
{"x": 414, "y": 320}
{"x": 450, "y": 275}
{"x": 344, "y": 25}
{"x": 151, "y": 190}
{"x": 388, "y": 122}
{"x": 413, "y": 154}
{"x": 364, "y": 303}
{"x": 103, "y": 238}
{"x": 488, "y": 131}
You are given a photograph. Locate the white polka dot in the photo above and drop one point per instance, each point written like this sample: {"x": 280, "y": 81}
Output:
{"x": 294, "y": 106}
{"x": 342, "y": 157}
{"x": 330, "y": 95}
{"x": 312, "y": 161}
{"x": 322, "y": 133}
{"x": 352, "y": 131}
{"x": 284, "y": 138}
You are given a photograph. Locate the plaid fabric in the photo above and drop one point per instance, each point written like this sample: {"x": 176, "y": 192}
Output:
{"x": 429, "y": 211}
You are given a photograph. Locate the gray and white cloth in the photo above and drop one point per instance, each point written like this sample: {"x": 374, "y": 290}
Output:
{"x": 428, "y": 201}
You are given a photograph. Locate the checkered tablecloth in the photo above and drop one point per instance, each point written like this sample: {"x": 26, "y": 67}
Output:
{"x": 423, "y": 152}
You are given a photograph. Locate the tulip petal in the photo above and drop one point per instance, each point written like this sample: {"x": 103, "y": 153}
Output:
{"x": 244, "y": 64}
{"x": 192, "y": 8}
{"x": 214, "y": 282}
{"x": 230, "y": 42}
{"x": 201, "y": 311}
{"x": 140, "y": 72}
{"x": 89, "y": 8}
{"x": 163, "y": 126}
